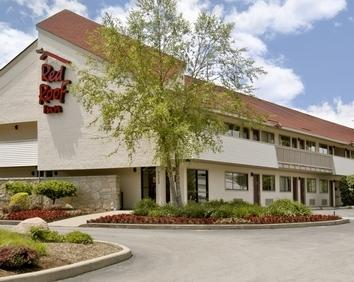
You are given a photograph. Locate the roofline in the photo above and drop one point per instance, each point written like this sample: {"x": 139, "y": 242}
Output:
{"x": 17, "y": 56}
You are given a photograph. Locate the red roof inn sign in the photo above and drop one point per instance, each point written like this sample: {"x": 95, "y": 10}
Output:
{"x": 47, "y": 93}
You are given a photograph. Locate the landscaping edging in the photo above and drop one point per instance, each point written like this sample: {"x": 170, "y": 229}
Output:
{"x": 71, "y": 270}
{"x": 217, "y": 226}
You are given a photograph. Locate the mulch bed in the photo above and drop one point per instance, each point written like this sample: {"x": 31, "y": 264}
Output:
{"x": 59, "y": 254}
{"x": 135, "y": 219}
{"x": 46, "y": 214}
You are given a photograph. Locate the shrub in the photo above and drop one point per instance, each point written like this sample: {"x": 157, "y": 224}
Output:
{"x": 225, "y": 211}
{"x": 17, "y": 257}
{"x": 346, "y": 187}
{"x": 193, "y": 210}
{"x": 285, "y": 207}
{"x": 144, "y": 206}
{"x": 13, "y": 239}
{"x": 43, "y": 235}
{"x": 78, "y": 237}
{"x": 56, "y": 189}
{"x": 19, "y": 201}
{"x": 14, "y": 187}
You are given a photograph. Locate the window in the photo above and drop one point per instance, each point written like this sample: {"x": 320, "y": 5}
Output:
{"x": 352, "y": 154}
{"x": 340, "y": 152}
{"x": 256, "y": 137}
{"x": 236, "y": 181}
{"x": 311, "y": 185}
{"x": 267, "y": 137}
{"x": 323, "y": 149}
{"x": 294, "y": 142}
{"x": 323, "y": 186}
{"x": 285, "y": 184}
{"x": 268, "y": 182}
{"x": 246, "y": 133}
{"x": 311, "y": 146}
{"x": 233, "y": 130}
{"x": 284, "y": 140}
{"x": 301, "y": 144}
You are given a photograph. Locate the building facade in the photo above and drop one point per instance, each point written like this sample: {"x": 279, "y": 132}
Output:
{"x": 45, "y": 133}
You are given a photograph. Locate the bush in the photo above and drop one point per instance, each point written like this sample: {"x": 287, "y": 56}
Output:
{"x": 19, "y": 201}
{"x": 78, "y": 237}
{"x": 285, "y": 207}
{"x": 14, "y": 187}
{"x": 17, "y": 257}
{"x": 144, "y": 206}
{"x": 43, "y": 235}
{"x": 55, "y": 189}
{"x": 13, "y": 239}
{"x": 346, "y": 187}
{"x": 193, "y": 210}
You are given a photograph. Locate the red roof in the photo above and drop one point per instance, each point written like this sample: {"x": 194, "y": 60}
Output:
{"x": 74, "y": 28}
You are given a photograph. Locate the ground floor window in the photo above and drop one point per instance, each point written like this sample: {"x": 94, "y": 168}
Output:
{"x": 268, "y": 182}
{"x": 197, "y": 185}
{"x": 236, "y": 181}
{"x": 311, "y": 185}
{"x": 323, "y": 186}
{"x": 285, "y": 184}
{"x": 148, "y": 182}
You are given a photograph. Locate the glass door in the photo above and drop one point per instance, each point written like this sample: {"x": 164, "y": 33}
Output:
{"x": 148, "y": 183}
{"x": 197, "y": 182}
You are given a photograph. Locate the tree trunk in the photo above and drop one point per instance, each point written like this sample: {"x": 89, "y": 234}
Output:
{"x": 170, "y": 176}
{"x": 178, "y": 185}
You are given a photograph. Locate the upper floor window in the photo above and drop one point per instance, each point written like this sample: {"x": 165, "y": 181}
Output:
{"x": 301, "y": 144}
{"x": 284, "y": 140}
{"x": 311, "y": 185}
{"x": 310, "y": 146}
{"x": 255, "y": 135}
{"x": 323, "y": 186}
{"x": 267, "y": 137}
{"x": 233, "y": 130}
{"x": 268, "y": 182}
{"x": 340, "y": 152}
{"x": 236, "y": 181}
{"x": 294, "y": 143}
{"x": 323, "y": 149}
{"x": 285, "y": 184}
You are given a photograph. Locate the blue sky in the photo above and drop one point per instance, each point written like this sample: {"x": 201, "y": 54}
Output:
{"x": 306, "y": 46}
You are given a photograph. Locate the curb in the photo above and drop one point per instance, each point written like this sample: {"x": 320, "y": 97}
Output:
{"x": 9, "y": 222}
{"x": 71, "y": 270}
{"x": 217, "y": 226}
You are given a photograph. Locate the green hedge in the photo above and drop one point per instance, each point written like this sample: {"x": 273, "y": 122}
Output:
{"x": 221, "y": 209}
{"x": 14, "y": 187}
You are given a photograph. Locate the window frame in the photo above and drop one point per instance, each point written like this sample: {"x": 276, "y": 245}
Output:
{"x": 273, "y": 182}
{"x": 236, "y": 173}
{"x": 281, "y": 140}
{"x": 307, "y": 185}
{"x": 267, "y": 134}
{"x": 321, "y": 181}
{"x": 280, "y": 184}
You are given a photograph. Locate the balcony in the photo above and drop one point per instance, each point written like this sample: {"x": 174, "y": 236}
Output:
{"x": 243, "y": 152}
{"x": 290, "y": 158}
{"x": 343, "y": 166}
{"x": 18, "y": 153}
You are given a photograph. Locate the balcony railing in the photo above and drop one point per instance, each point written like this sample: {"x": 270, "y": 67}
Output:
{"x": 304, "y": 160}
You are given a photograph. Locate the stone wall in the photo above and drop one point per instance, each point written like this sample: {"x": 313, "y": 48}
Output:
{"x": 94, "y": 192}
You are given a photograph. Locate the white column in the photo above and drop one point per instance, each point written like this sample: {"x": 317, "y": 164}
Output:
{"x": 334, "y": 193}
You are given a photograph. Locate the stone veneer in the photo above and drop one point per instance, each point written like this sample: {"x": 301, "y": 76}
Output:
{"x": 94, "y": 192}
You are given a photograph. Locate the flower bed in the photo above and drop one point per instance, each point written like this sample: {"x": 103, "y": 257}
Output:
{"x": 136, "y": 219}
{"x": 47, "y": 215}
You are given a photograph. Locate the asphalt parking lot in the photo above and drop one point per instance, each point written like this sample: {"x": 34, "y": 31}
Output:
{"x": 298, "y": 254}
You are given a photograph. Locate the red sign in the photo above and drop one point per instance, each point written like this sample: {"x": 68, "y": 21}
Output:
{"x": 47, "y": 94}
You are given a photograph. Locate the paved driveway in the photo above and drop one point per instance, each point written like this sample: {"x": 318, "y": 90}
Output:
{"x": 300, "y": 254}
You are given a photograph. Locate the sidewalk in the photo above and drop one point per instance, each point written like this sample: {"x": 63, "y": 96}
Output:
{"x": 79, "y": 220}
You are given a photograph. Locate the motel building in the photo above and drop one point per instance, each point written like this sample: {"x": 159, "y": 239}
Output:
{"x": 45, "y": 134}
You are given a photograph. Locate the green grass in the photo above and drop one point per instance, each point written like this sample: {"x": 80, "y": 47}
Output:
{"x": 13, "y": 239}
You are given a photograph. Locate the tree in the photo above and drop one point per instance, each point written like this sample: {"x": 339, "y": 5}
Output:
{"x": 346, "y": 187}
{"x": 140, "y": 90}
{"x": 55, "y": 189}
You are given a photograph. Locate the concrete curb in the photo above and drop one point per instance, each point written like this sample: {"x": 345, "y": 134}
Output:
{"x": 217, "y": 226}
{"x": 9, "y": 222}
{"x": 71, "y": 270}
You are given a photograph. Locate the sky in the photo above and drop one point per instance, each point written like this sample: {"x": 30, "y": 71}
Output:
{"x": 306, "y": 46}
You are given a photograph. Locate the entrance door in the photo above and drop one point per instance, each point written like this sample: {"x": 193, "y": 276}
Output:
{"x": 148, "y": 183}
{"x": 331, "y": 204}
{"x": 295, "y": 189}
{"x": 197, "y": 185}
{"x": 302, "y": 191}
{"x": 256, "y": 189}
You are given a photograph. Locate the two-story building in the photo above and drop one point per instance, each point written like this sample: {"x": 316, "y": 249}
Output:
{"x": 45, "y": 133}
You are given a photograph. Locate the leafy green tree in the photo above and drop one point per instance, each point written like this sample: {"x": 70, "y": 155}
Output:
{"x": 346, "y": 187}
{"x": 157, "y": 82}
{"x": 56, "y": 189}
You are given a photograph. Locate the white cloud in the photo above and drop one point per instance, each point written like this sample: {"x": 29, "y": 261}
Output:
{"x": 336, "y": 111}
{"x": 45, "y": 8}
{"x": 16, "y": 41}
{"x": 119, "y": 12}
